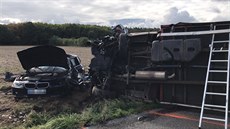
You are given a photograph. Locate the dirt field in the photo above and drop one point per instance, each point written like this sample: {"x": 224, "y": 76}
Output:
{"x": 10, "y": 62}
{"x": 14, "y": 113}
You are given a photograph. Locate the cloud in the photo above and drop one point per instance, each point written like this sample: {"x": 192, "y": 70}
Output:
{"x": 134, "y": 22}
{"x": 132, "y": 13}
{"x": 43, "y": 11}
{"x": 221, "y": 0}
{"x": 215, "y": 10}
{"x": 221, "y": 18}
{"x": 224, "y": 14}
{"x": 174, "y": 16}
{"x": 9, "y": 20}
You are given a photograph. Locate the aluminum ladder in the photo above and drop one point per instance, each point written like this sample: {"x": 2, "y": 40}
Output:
{"x": 211, "y": 81}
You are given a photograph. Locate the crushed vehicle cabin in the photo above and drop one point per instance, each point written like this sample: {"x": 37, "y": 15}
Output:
{"x": 168, "y": 66}
{"x": 49, "y": 71}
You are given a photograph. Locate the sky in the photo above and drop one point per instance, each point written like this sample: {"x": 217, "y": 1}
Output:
{"x": 130, "y": 13}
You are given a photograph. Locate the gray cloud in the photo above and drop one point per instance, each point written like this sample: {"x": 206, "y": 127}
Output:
{"x": 61, "y": 11}
{"x": 126, "y": 21}
{"x": 134, "y": 22}
{"x": 220, "y": 0}
{"x": 132, "y": 13}
{"x": 44, "y": 11}
{"x": 5, "y": 21}
{"x": 221, "y": 18}
{"x": 215, "y": 10}
{"x": 224, "y": 14}
{"x": 174, "y": 16}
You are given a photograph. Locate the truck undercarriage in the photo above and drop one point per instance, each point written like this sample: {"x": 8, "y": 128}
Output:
{"x": 166, "y": 66}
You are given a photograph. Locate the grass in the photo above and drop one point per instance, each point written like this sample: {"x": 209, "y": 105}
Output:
{"x": 35, "y": 119}
{"x": 67, "y": 121}
{"x": 99, "y": 112}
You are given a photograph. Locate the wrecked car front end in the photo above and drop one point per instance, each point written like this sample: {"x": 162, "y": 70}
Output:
{"x": 49, "y": 71}
{"x": 41, "y": 81}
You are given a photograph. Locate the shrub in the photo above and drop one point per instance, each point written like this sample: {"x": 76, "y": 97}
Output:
{"x": 55, "y": 40}
{"x": 82, "y": 41}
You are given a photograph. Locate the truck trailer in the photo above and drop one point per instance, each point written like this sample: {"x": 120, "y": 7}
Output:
{"x": 167, "y": 66}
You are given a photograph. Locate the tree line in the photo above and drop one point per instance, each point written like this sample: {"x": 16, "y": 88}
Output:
{"x": 56, "y": 34}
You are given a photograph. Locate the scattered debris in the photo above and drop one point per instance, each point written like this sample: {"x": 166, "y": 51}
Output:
{"x": 10, "y": 77}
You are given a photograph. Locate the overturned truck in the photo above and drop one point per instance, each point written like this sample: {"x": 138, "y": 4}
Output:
{"x": 168, "y": 66}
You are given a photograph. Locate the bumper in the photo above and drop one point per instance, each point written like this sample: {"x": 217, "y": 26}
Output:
{"x": 23, "y": 92}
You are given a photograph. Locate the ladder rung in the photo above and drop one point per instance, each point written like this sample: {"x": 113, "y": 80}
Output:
{"x": 217, "y": 82}
{"x": 218, "y": 71}
{"x": 215, "y": 119}
{"x": 219, "y": 60}
{"x": 214, "y": 93}
{"x": 225, "y": 41}
{"x": 219, "y": 50}
{"x": 215, "y": 106}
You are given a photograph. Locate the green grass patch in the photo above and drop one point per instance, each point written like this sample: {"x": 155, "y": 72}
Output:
{"x": 67, "y": 121}
{"x": 35, "y": 119}
{"x": 95, "y": 113}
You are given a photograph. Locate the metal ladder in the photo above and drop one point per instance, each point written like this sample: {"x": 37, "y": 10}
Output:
{"x": 213, "y": 82}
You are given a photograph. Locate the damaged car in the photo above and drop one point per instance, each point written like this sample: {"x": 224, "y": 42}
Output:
{"x": 49, "y": 71}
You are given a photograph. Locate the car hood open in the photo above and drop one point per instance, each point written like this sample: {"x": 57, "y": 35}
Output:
{"x": 43, "y": 56}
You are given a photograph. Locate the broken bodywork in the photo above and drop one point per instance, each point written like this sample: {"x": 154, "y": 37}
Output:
{"x": 167, "y": 66}
{"x": 49, "y": 71}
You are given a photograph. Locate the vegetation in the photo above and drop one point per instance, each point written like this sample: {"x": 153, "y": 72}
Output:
{"x": 56, "y": 34}
{"x": 82, "y": 41}
{"x": 93, "y": 114}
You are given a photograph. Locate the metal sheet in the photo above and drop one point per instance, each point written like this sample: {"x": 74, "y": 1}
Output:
{"x": 194, "y": 33}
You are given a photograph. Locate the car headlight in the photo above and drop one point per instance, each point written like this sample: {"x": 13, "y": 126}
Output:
{"x": 18, "y": 85}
